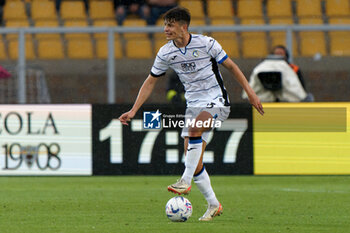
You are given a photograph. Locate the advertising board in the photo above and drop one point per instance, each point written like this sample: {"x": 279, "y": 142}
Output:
{"x": 45, "y": 140}
{"x": 302, "y": 139}
{"x": 153, "y": 147}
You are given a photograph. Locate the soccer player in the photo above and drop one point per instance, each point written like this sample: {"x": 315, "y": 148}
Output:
{"x": 195, "y": 59}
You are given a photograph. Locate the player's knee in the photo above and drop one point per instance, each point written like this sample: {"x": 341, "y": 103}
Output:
{"x": 195, "y": 132}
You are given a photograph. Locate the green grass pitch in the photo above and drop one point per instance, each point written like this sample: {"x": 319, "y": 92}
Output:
{"x": 137, "y": 204}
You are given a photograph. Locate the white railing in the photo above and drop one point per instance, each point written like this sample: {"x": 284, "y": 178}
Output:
{"x": 289, "y": 29}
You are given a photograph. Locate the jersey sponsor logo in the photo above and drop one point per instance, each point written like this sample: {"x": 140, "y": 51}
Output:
{"x": 195, "y": 53}
{"x": 173, "y": 58}
{"x": 189, "y": 66}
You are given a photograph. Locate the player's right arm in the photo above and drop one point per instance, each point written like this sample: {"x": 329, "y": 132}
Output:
{"x": 144, "y": 92}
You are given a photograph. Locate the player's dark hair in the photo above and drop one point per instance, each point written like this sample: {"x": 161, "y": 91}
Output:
{"x": 178, "y": 14}
{"x": 284, "y": 48}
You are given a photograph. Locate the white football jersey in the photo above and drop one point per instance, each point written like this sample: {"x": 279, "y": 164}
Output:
{"x": 197, "y": 67}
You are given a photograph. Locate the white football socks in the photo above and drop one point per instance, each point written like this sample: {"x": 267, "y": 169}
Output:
{"x": 193, "y": 154}
{"x": 202, "y": 181}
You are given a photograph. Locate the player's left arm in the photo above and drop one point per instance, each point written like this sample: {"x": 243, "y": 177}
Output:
{"x": 144, "y": 92}
{"x": 236, "y": 71}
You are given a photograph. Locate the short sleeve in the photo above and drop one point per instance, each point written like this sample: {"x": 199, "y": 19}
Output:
{"x": 216, "y": 51}
{"x": 160, "y": 66}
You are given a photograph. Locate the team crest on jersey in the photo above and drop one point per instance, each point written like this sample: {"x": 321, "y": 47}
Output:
{"x": 195, "y": 53}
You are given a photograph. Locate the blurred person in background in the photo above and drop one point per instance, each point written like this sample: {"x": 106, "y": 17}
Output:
{"x": 159, "y": 7}
{"x": 275, "y": 79}
{"x": 2, "y": 3}
{"x": 123, "y": 8}
{"x": 281, "y": 50}
{"x": 4, "y": 73}
{"x": 175, "y": 90}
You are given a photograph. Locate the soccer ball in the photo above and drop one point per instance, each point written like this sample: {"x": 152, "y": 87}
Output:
{"x": 178, "y": 209}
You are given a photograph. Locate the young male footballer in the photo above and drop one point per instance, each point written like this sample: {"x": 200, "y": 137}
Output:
{"x": 195, "y": 59}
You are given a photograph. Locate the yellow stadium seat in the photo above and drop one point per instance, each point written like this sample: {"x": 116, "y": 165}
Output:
{"x": 160, "y": 23}
{"x": 47, "y": 23}
{"x": 3, "y": 54}
{"x": 76, "y": 23}
{"x": 158, "y": 43}
{"x": 249, "y": 8}
{"x": 194, "y": 6}
{"x": 194, "y": 23}
{"x": 16, "y": 24}
{"x": 102, "y": 49}
{"x": 139, "y": 48}
{"x": 105, "y": 23}
{"x": 339, "y": 40}
{"x": 339, "y": 20}
{"x": 222, "y": 22}
{"x": 279, "y": 8}
{"x": 132, "y": 22}
{"x": 138, "y": 45}
{"x": 220, "y": 8}
{"x": 338, "y": 8}
{"x": 308, "y": 8}
{"x": 101, "y": 9}
{"x": 228, "y": 40}
{"x": 102, "y": 38}
{"x": 14, "y": 10}
{"x": 50, "y": 49}
{"x": 43, "y": 10}
{"x": 39, "y": 0}
{"x": 159, "y": 37}
{"x": 50, "y": 46}
{"x": 197, "y": 22}
{"x": 73, "y": 10}
{"x": 79, "y": 45}
{"x": 254, "y": 44}
{"x": 312, "y": 42}
{"x": 13, "y": 49}
{"x": 279, "y": 37}
{"x": 13, "y": 40}
{"x": 281, "y": 21}
{"x": 310, "y": 20}
{"x": 79, "y": 48}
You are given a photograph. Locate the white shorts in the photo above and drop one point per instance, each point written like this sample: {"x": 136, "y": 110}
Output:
{"x": 218, "y": 111}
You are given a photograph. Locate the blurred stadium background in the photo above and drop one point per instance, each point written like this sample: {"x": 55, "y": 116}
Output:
{"x": 73, "y": 67}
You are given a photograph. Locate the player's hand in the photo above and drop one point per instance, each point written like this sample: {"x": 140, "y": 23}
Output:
{"x": 255, "y": 101}
{"x": 126, "y": 117}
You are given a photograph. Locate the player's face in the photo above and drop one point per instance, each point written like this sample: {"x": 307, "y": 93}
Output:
{"x": 174, "y": 30}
